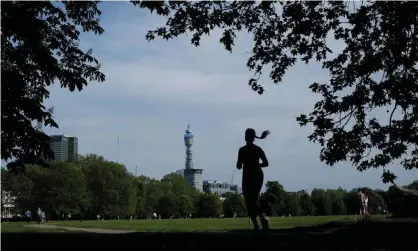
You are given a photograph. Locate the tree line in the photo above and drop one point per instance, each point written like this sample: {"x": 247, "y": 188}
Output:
{"x": 95, "y": 186}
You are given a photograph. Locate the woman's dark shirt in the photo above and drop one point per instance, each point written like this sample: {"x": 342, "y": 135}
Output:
{"x": 249, "y": 156}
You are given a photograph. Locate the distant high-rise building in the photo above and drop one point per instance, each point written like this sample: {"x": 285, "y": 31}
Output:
{"x": 192, "y": 176}
{"x": 73, "y": 149}
{"x": 65, "y": 148}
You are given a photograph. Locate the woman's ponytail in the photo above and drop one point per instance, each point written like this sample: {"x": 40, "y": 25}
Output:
{"x": 263, "y": 135}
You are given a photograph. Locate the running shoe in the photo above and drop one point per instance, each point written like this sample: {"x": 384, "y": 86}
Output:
{"x": 265, "y": 223}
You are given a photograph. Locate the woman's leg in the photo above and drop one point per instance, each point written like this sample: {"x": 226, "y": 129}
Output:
{"x": 251, "y": 189}
{"x": 249, "y": 202}
{"x": 250, "y": 198}
{"x": 257, "y": 189}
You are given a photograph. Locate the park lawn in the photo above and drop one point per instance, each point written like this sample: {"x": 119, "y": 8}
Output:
{"x": 19, "y": 227}
{"x": 200, "y": 225}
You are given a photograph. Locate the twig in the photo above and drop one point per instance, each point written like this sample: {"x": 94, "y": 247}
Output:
{"x": 393, "y": 111}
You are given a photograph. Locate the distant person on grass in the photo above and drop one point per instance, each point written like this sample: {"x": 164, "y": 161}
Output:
{"x": 28, "y": 215}
{"x": 364, "y": 204}
{"x": 43, "y": 217}
{"x": 252, "y": 177}
{"x": 39, "y": 216}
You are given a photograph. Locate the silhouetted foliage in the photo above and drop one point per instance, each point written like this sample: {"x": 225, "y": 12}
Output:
{"x": 276, "y": 197}
{"x": 293, "y": 206}
{"x": 377, "y": 68}
{"x": 234, "y": 203}
{"x": 40, "y": 47}
{"x": 413, "y": 185}
{"x": 306, "y": 203}
{"x": 402, "y": 204}
{"x": 352, "y": 202}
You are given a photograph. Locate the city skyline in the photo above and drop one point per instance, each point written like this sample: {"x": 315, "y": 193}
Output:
{"x": 154, "y": 87}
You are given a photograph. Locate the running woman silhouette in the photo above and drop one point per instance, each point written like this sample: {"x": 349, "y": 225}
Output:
{"x": 252, "y": 177}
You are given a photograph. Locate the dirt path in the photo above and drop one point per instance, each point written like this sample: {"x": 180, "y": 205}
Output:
{"x": 90, "y": 230}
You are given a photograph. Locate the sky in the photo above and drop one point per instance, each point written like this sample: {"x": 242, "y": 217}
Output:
{"x": 153, "y": 90}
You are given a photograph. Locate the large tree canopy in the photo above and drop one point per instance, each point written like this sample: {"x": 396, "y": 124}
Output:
{"x": 39, "y": 47}
{"x": 377, "y": 68}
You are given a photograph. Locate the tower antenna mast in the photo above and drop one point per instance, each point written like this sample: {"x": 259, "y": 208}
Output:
{"x": 117, "y": 151}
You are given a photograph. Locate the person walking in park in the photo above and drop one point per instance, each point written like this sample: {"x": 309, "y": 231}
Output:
{"x": 364, "y": 203}
{"x": 28, "y": 215}
{"x": 252, "y": 177}
{"x": 43, "y": 218}
{"x": 39, "y": 216}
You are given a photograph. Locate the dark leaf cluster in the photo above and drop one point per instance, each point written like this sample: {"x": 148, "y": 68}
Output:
{"x": 377, "y": 68}
{"x": 40, "y": 47}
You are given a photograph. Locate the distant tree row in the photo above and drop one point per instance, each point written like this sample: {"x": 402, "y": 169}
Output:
{"x": 96, "y": 186}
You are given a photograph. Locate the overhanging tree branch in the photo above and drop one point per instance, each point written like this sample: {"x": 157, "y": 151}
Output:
{"x": 378, "y": 37}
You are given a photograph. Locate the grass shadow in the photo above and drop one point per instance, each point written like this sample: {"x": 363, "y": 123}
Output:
{"x": 363, "y": 235}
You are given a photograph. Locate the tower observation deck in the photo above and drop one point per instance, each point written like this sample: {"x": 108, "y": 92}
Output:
{"x": 192, "y": 176}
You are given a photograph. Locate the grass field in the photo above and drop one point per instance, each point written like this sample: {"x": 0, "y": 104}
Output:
{"x": 199, "y": 225}
{"x": 186, "y": 225}
{"x": 322, "y": 233}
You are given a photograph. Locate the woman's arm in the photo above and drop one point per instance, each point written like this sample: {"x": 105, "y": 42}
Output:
{"x": 264, "y": 161}
{"x": 239, "y": 161}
